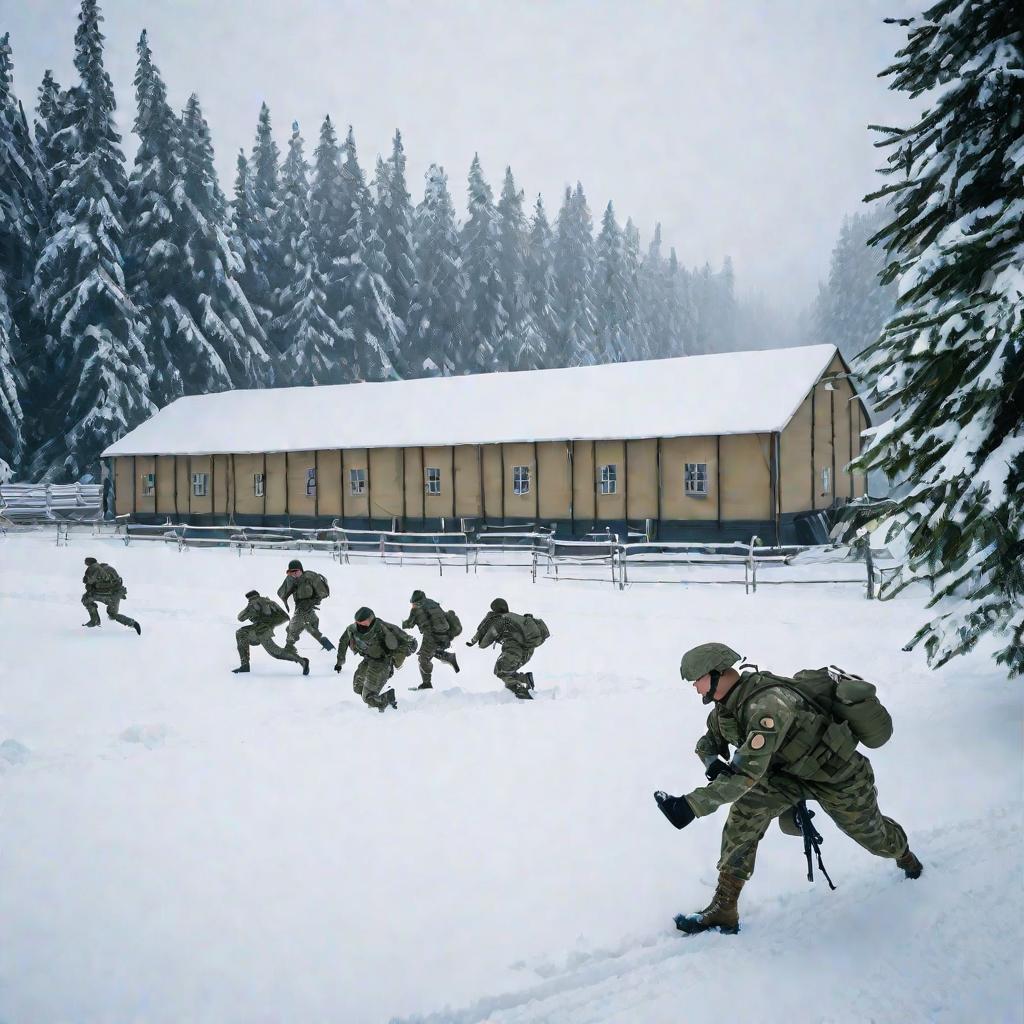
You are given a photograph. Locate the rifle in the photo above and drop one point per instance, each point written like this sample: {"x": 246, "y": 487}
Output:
{"x": 812, "y": 841}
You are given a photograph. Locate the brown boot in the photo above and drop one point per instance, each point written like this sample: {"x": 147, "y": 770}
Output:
{"x": 721, "y": 913}
{"x": 910, "y": 865}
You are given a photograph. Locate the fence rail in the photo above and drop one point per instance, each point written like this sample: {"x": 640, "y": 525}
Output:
{"x": 30, "y": 504}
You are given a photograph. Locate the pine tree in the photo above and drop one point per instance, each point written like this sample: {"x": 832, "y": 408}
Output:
{"x": 637, "y": 339}
{"x": 394, "y": 225}
{"x": 93, "y": 327}
{"x": 654, "y": 292}
{"x": 484, "y": 314}
{"x": 436, "y": 341}
{"x": 574, "y": 273}
{"x": 11, "y": 385}
{"x": 950, "y": 361}
{"x": 519, "y": 346}
{"x": 542, "y": 285}
{"x": 306, "y": 333}
{"x": 610, "y": 291}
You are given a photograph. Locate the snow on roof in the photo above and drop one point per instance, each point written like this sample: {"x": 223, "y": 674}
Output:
{"x": 723, "y": 393}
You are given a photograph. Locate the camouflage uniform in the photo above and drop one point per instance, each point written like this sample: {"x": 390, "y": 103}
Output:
{"x": 786, "y": 751}
{"x": 304, "y": 617}
{"x": 435, "y": 631}
{"x": 381, "y": 649}
{"x": 102, "y": 587}
{"x": 265, "y": 616}
{"x": 504, "y": 629}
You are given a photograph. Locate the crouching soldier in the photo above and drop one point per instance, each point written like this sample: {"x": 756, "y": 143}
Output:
{"x": 265, "y": 616}
{"x": 518, "y": 636}
{"x": 437, "y": 630}
{"x": 383, "y": 648}
{"x": 795, "y": 739}
{"x": 104, "y": 586}
{"x": 309, "y": 589}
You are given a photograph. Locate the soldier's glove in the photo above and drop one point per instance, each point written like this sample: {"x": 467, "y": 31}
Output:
{"x": 718, "y": 767}
{"x": 675, "y": 808}
{"x": 471, "y": 643}
{"x": 337, "y": 666}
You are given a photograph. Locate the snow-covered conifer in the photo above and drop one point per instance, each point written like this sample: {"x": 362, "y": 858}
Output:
{"x": 519, "y": 346}
{"x": 950, "y": 361}
{"x": 574, "y": 273}
{"x": 394, "y": 225}
{"x": 610, "y": 291}
{"x": 484, "y": 313}
{"x": 541, "y": 284}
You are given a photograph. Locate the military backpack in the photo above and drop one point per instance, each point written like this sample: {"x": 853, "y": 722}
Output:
{"x": 841, "y": 697}
{"x": 106, "y": 577}
{"x": 437, "y": 618}
{"x": 396, "y": 640}
{"x": 454, "y": 625}
{"x": 271, "y": 612}
{"x": 535, "y": 630}
{"x": 319, "y": 584}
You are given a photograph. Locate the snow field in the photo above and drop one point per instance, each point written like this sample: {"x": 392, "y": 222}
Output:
{"x": 179, "y": 843}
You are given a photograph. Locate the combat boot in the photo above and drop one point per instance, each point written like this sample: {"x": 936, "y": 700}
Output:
{"x": 454, "y": 662}
{"x": 241, "y": 669}
{"x": 910, "y": 865}
{"x": 134, "y": 625}
{"x": 721, "y": 913}
{"x": 326, "y": 644}
{"x": 387, "y": 700}
{"x": 304, "y": 662}
{"x": 529, "y": 680}
{"x": 424, "y": 686}
{"x": 91, "y": 624}
{"x": 522, "y": 691}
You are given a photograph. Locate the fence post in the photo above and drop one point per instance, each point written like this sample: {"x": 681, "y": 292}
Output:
{"x": 533, "y": 566}
{"x": 869, "y": 562}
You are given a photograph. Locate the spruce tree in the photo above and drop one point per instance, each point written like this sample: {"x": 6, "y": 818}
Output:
{"x": 306, "y": 333}
{"x": 394, "y": 225}
{"x": 574, "y": 274}
{"x": 93, "y": 327}
{"x": 541, "y": 284}
{"x": 610, "y": 291}
{"x": 655, "y": 298}
{"x": 11, "y": 385}
{"x": 485, "y": 316}
{"x": 636, "y": 334}
{"x": 519, "y": 346}
{"x": 950, "y": 361}
{"x": 436, "y": 340}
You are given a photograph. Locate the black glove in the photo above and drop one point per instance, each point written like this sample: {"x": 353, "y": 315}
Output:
{"x": 337, "y": 667}
{"x": 718, "y": 767}
{"x": 675, "y": 808}
{"x": 471, "y": 643}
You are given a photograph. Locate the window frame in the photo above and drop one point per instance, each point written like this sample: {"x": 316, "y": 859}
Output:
{"x": 201, "y": 480}
{"x": 521, "y": 481}
{"x": 698, "y": 476}
{"x": 259, "y": 485}
{"x": 311, "y": 482}
{"x": 608, "y": 479}
{"x": 353, "y": 480}
{"x": 148, "y": 485}
{"x": 430, "y": 481}
{"x": 826, "y": 480}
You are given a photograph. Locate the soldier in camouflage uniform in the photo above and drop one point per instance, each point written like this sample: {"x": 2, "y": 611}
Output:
{"x": 786, "y": 751}
{"x": 104, "y": 586}
{"x": 501, "y": 626}
{"x": 383, "y": 648}
{"x": 435, "y": 632}
{"x": 299, "y": 584}
{"x": 265, "y": 616}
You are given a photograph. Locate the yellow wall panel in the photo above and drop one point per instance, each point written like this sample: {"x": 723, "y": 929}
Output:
{"x": 745, "y": 478}
{"x": 676, "y": 504}
{"x": 611, "y": 506}
{"x": 554, "y": 480}
{"x": 443, "y": 504}
{"x": 583, "y": 480}
{"x": 357, "y": 506}
{"x": 520, "y": 506}
{"x": 123, "y": 494}
{"x": 795, "y": 461}
{"x": 468, "y": 493}
{"x": 642, "y": 479}
{"x": 385, "y": 482}
{"x": 276, "y": 491}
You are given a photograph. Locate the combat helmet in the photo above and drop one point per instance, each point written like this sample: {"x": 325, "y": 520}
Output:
{"x": 499, "y": 604}
{"x": 295, "y": 564}
{"x": 705, "y": 658}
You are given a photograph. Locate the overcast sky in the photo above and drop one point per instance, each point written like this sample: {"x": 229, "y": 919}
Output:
{"x": 739, "y": 124}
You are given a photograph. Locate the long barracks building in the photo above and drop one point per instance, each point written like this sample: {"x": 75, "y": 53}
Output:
{"x": 715, "y": 446}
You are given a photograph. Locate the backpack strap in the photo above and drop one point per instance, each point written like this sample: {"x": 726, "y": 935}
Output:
{"x": 827, "y": 714}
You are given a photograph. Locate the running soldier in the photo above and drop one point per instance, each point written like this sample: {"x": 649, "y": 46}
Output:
{"x": 309, "y": 589}
{"x": 787, "y": 750}
{"x": 518, "y": 636}
{"x": 437, "y": 628}
{"x": 265, "y": 615}
{"x": 104, "y": 586}
{"x": 383, "y": 648}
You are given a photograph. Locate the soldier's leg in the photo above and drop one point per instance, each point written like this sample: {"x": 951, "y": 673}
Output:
{"x": 113, "y": 604}
{"x": 374, "y": 680}
{"x": 294, "y": 631}
{"x": 505, "y": 668}
{"x": 853, "y": 805}
{"x": 427, "y": 651}
{"x": 359, "y": 677}
{"x": 90, "y": 605}
{"x": 280, "y": 653}
{"x": 749, "y": 818}
{"x": 244, "y": 639}
{"x": 312, "y": 626}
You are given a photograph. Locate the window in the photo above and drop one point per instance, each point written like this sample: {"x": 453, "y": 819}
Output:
{"x": 310, "y": 483}
{"x": 826, "y": 480}
{"x": 258, "y": 483}
{"x": 433, "y": 477}
{"x": 199, "y": 484}
{"x": 695, "y": 478}
{"x": 520, "y": 479}
{"x": 608, "y": 479}
{"x": 148, "y": 484}
{"x": 357, "y": 481}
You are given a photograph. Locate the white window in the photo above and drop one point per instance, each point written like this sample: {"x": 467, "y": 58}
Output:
{"x": 520, "y": 479}
{"x": 199, "y": 481}
{"x": 608, "y": 479}
{"x": 259, "y": 481}
{"x": 310, "y": 483}
{"x": 357, "y": 481}
{"x": 826, "y": 480}
{"x": 148, "y": 484}
{"x": 433, "y": 478}
{"x": 695, "y": 478}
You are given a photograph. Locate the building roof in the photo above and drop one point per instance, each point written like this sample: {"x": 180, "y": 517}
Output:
{"x": 723, "y": 393}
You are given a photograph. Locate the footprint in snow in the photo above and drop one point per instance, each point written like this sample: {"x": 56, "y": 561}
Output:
{"x": 149, "y": 736}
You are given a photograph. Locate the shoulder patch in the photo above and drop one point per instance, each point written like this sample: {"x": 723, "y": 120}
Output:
{"x": 756, "y": 741}
{"x": 767, "y": 723}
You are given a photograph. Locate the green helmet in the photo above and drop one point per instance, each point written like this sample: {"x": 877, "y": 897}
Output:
{"x": 90, "y": 560}
{"x": 417, "y": 596}
{"x": 499, "y": 604}
{"x": 364, "y": 614}
{"x": 252, "y": 593}
{"x": 705, "y": 658}
{"x": 294, "y": 564}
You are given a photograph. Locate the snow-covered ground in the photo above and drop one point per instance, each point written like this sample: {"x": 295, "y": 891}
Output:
{"x": 181, "y": 844}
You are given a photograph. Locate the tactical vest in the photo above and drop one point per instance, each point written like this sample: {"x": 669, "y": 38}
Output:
{"x": 269, "y": 613}
{"x": 438, "y": 621}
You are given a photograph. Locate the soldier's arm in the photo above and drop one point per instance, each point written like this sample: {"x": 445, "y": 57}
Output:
{"x": 343, "y": 643}
{"x": 769, "y": 721}
{"x": 409, "y": 622}
{"x": 246, "y": 613}
{"x": 711, "y": 746}
{"x": 285, "y": 589}
{"x": 482, "y": 628}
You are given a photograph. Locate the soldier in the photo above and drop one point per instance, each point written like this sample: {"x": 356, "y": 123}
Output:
{"x": 104, "y": 586}
{"x": 786, "y": 751}
{"x": 265, "y": 615}
{"x": 309, "y": 589}
{"x": 384, "y": 648}
{"x": 436, "y": 631}
{"x": 510, "y": 631}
